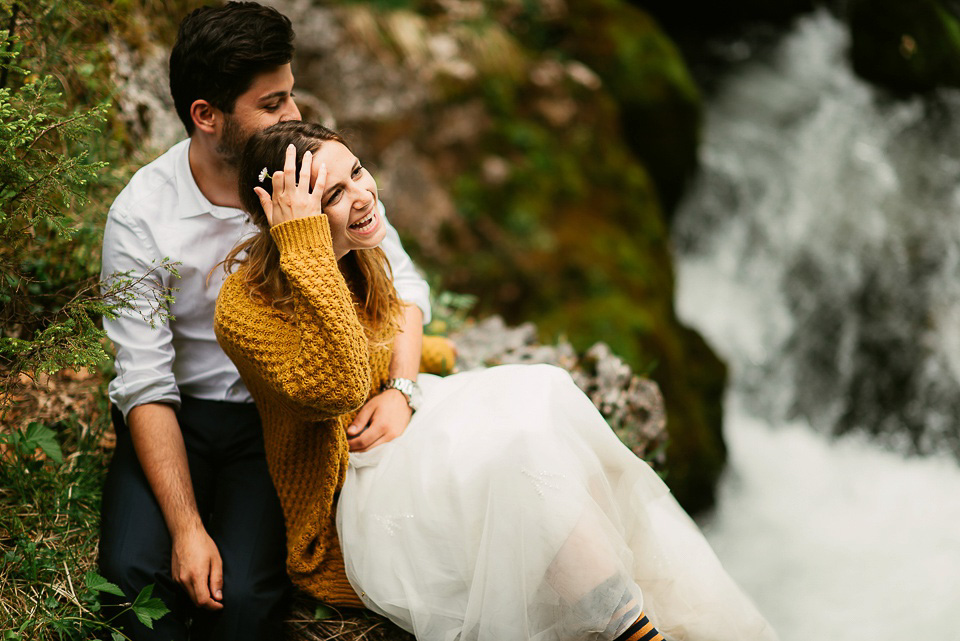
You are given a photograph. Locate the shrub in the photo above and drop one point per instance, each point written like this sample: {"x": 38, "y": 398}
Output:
{"x": 52, "y": 82}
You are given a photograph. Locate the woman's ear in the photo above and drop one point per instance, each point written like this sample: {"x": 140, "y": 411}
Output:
{"x": 205, "y": 116}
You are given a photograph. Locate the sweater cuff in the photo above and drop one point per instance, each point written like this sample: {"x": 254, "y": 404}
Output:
{"x": 302, "y": 234}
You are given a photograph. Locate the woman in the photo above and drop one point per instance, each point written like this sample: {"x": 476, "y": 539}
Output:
{"x": 507, "y": 509}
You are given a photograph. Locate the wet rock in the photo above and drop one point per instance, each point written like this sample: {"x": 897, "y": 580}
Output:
{"x": 710, "y": 17}
{"x": 660, "y": 105}
{"x": 906, "y": 46}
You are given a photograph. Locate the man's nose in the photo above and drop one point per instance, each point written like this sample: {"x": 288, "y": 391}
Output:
{"x": 293, "y": 113}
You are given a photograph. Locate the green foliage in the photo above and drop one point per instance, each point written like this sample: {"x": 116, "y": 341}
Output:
{"x": 48, "y": 240}
{"x": 147, "y": 607}
{"x": 97, "y": 583}
{"x": 35, "y": 436}
{"x": 449, "y": 311}
{"x": 57, "y": 139}
{"x": 564, "y": 224}
{"x": 49, "y": 508}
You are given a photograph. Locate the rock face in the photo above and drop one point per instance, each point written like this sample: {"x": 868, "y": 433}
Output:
{"x": 507, "y": 140}
{"x": 906, "y": 46}
{"x": 144, "y": 102}
{"x": 710, "y": 17}
{"x": 659, "y": 104}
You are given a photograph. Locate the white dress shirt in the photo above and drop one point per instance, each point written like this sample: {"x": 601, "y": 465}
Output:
{"x": 162, "y": 214}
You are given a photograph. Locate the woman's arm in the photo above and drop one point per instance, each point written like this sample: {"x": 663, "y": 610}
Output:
{"x": 319, "y": 359}
{"x": 316, "y": 360}
{"x": 386, "y": 415}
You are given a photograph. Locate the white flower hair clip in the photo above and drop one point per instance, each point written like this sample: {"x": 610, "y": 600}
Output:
{"x": 263, "y": 174}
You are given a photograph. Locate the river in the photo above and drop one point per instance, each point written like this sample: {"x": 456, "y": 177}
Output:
{"x": 819, "y": 253}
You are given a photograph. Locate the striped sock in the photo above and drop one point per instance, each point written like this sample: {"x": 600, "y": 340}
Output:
{"x": 641, "y": 630}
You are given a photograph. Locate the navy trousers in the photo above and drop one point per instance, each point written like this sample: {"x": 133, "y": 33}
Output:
{"x": 240, "y": 509}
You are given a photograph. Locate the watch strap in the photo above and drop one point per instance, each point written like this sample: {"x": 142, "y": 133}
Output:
{"x": 405, "y": 386}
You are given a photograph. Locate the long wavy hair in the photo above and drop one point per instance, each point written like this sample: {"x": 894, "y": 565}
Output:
{"x": 257, "y": 259}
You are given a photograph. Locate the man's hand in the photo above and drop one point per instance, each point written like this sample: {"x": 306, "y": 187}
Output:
{"x": 196, "y": 566}
{"x": 382, "y": 419}
{"x": 195, "y": 561}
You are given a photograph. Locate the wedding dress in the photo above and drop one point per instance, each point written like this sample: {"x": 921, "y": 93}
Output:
{"x": 509, "y": 511}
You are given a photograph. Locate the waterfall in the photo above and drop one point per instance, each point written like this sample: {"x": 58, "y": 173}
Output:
{"x": 819, "y": 252}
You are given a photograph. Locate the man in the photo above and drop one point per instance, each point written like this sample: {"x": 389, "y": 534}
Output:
{"x": 188, "y": 504}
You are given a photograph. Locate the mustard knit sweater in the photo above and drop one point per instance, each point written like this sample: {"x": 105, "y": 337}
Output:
{"x": 308, "y": 377}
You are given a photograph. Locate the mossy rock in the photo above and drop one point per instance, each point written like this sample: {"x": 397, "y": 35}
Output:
{"x": 711, "y": 17}
{"x": 575, "y": 241}
{"x": 907, "y": 47}
{"x": 661, "y": 110}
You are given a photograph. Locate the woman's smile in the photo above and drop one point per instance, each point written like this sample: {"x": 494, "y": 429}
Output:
{"x": 369, "y": 223}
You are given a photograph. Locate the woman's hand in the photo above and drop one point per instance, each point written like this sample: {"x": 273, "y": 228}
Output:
{"x": 382, "y": 419}
{"x": 291, "y": 199}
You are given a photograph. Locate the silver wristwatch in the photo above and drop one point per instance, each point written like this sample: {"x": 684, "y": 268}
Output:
{"x": 408, "y": 388}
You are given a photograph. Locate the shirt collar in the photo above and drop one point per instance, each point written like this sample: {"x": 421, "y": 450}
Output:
{"x": 191, "y": 201}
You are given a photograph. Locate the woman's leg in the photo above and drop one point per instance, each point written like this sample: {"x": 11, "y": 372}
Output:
{"x": 587, "y": 575}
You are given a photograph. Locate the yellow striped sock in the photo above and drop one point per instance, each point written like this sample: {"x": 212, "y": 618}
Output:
{"x": 641, "y": 630}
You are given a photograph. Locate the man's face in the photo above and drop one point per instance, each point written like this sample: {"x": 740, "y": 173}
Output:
{"x": 268, "y": 101}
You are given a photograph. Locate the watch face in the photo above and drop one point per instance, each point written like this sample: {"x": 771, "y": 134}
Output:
{"x": 416, "y": 398}
{"x": 408, "y": 388}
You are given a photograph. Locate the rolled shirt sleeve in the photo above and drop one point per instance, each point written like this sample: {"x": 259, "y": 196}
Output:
{"x": 144, "y": 353}
{"x": 410, "y": 285}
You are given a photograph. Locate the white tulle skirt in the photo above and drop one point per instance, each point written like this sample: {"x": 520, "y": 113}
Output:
{"x": 509, "y": 511}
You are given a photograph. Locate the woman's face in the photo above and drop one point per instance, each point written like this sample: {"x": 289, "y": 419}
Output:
{"x": 349, "y": 200}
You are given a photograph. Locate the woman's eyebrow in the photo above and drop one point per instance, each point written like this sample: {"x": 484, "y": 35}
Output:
{"x": 339, "y": 183}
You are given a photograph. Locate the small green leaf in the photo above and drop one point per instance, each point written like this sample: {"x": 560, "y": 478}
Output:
{"x": 96, "y": 582}
{"x": 116, "y": 636}
{"x": 323, "y": 612}
{"x": 148, "y": 608}
{"x": 39, "y": 435}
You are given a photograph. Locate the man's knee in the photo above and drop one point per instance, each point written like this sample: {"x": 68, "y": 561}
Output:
{"x": 126, "y": 570}
{"x": 264, "y": 592}
{"x": 132, "y": 571}
{"x": 252, "y": 610}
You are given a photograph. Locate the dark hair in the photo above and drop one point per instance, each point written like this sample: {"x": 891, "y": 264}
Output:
{"x": 220, "y": 50}
{"x": 259, "y": 255}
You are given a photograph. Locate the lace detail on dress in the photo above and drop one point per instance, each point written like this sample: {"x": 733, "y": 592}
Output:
{"x": 392, "y": 523}
{"x": 543, "y": 480}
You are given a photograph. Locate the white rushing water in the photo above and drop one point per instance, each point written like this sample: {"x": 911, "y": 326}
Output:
{"x": 819, "y": 250}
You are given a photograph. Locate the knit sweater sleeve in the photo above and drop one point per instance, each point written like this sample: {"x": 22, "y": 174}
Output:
{"x": 318, "y": 361}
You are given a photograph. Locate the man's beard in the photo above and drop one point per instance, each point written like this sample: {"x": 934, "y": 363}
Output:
{"x": 233, "y": 139}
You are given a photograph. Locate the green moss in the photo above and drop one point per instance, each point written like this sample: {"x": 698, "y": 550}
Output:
{"x": 660, "y": 104}
{"x": 574, "y": 240}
